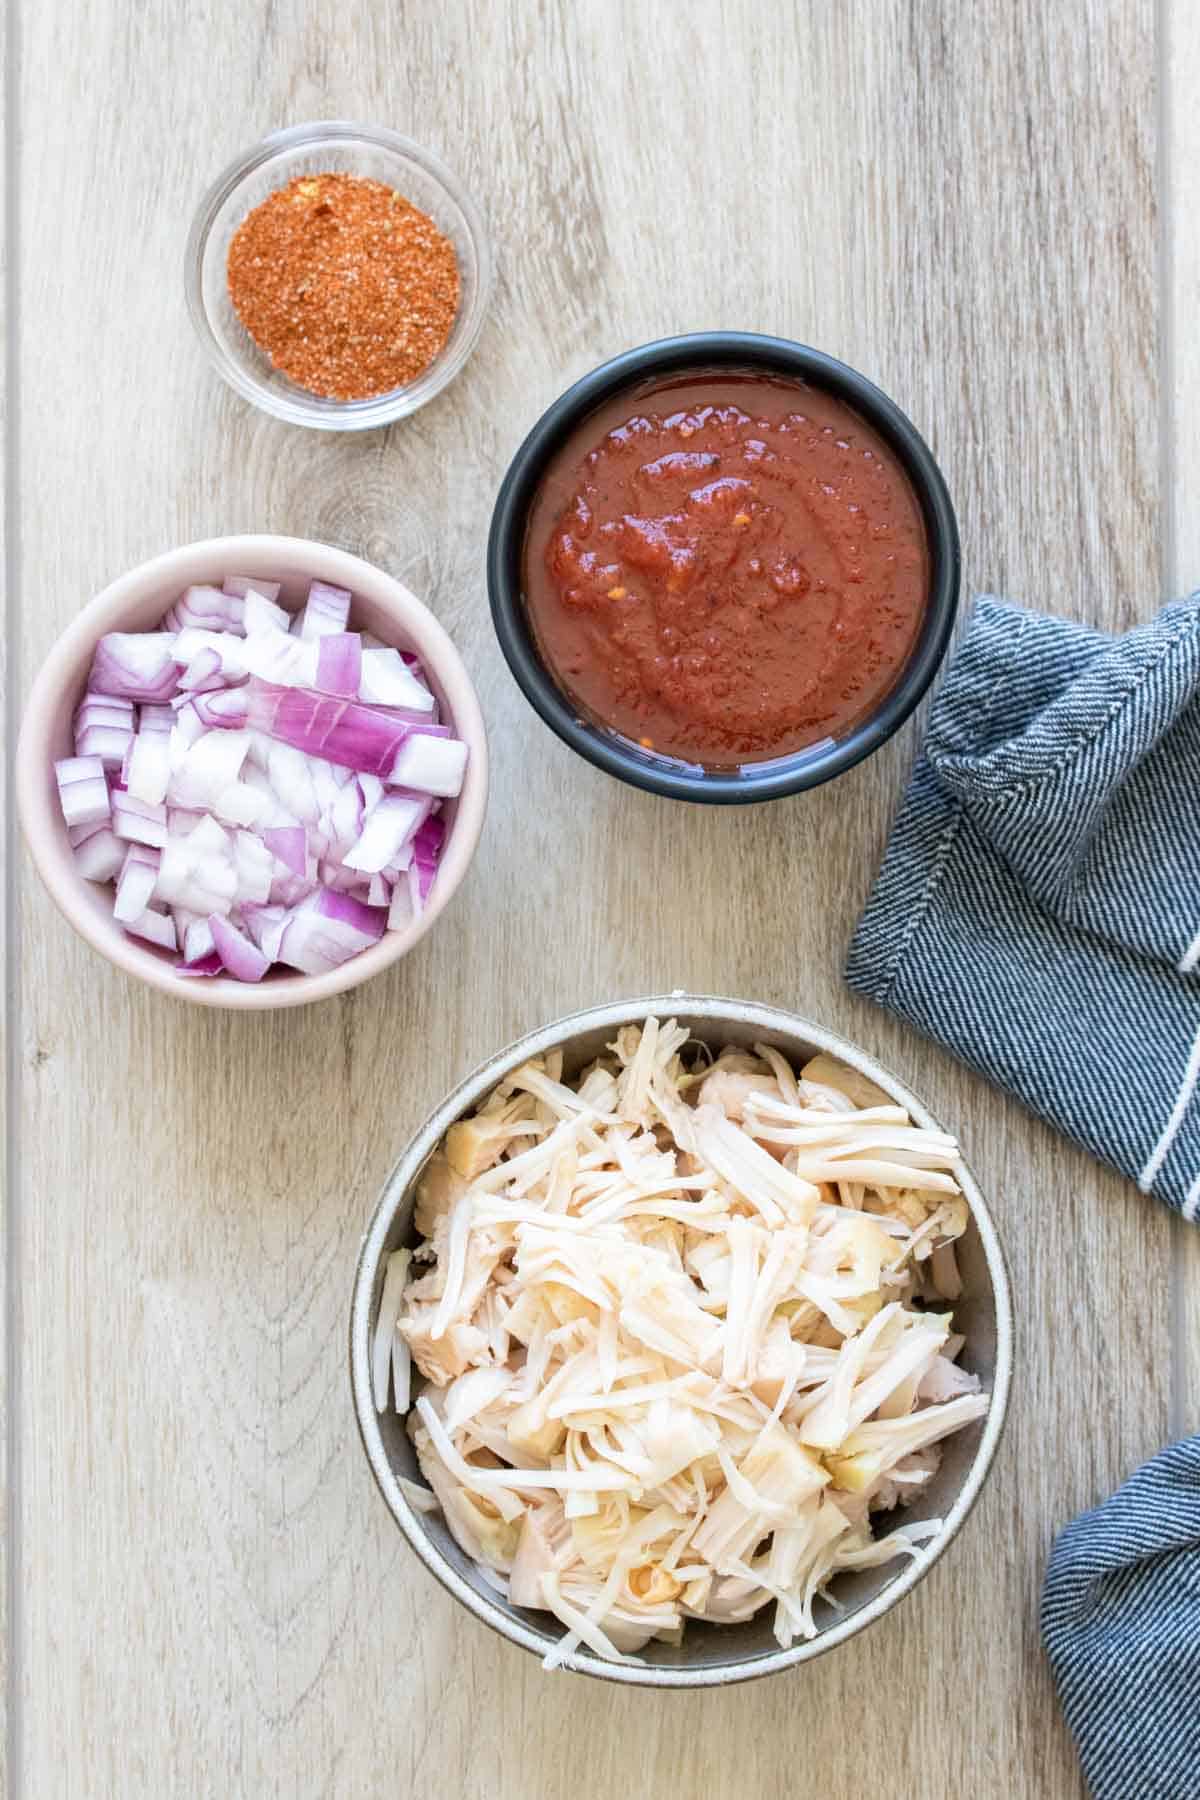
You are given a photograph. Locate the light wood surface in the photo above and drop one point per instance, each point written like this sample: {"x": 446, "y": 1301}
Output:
{"x": 962, "y": 201}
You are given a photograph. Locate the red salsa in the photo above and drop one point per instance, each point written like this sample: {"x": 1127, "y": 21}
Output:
{"x": 726, "y": 568}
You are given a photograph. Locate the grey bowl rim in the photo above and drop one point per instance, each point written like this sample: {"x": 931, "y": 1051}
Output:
{"x": 698, "y": 1007}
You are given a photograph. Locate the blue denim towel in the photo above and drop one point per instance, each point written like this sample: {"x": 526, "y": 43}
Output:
{"x": 1121, "y": 1623}
{"x": 1038, "y": 907}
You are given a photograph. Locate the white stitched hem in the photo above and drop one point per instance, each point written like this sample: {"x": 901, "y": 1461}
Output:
{"x": 1191, "y": 956}
{"x": 1192, "y": 1204}
{"x": 1159, "y": 1153}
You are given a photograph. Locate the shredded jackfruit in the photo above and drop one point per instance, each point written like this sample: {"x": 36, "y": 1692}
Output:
{"x": 683, "y": 1327}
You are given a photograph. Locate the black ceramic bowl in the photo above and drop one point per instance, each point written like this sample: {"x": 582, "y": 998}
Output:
{"x": 729, "y": 350}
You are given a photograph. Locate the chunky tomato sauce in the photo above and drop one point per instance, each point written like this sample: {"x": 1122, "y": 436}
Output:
{"x": 726, "y": 568}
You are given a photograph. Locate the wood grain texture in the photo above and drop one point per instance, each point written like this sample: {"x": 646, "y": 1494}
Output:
{"x": 961, "y": 201}
{"x": 1181, "y": 397}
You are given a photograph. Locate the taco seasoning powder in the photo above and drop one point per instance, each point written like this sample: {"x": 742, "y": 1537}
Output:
{"x": 347, "y": 287}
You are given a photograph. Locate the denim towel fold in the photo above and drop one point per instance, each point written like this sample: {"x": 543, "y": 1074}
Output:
{"x": 1120, "y": 1611}
{"x": 1038, "y": 908}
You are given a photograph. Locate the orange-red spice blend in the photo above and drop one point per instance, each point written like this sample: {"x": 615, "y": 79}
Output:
{"x": 347, "y": 287}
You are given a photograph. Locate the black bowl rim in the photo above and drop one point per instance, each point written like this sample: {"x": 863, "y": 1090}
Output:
{"x": 783, "y": 356}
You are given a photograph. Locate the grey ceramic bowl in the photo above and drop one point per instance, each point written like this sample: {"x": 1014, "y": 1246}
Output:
{"x": 707, "y": 352}
{"x": 709, "y": 1655}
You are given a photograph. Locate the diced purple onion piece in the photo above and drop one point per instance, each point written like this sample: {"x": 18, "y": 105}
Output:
{"x": 262, "y": 615}
{"x": 156, "y": 927}
{"x": 135, "y": 665}
{"x": 342, "y": 880}
{"x": 205, "y": 965}
{"x": 435, "y": 765}
{"x": 82, "y": 790}
{"x": 203, "y": 673}
{"x": 429, "y": 839}
{"x": 105, "y": 709}
{"x": 103, "y": 729}
{"x": 100, "y": 855}
{"x": 193, "y": 934}
{"x": 107, "y": 743}
{"x": 241, "y": 585}
{"x": 242, "y": 959}
{"x": 339, "y": 664}
{"x": 290, "y": 844}
{"x": 265, "y": 925}
{"x": 138, "y": 821}
{"x": 379, "y": 891}
{"x": 207, "y": 609}
{"x": 227, "y": 709}
{"x": 339, "y": 731}
{"x": 400, "y": 912}
{"x": 388, "y": 827}
{"x": 254, "y": 864}
{"x": 387, "y": 680}
{"x": 327, "y": 929}
{"x": 146, "y": 772}
{"x": 289, "y": 890}
{"x": 326, "y": 610}
{"x": 136, "y": 883}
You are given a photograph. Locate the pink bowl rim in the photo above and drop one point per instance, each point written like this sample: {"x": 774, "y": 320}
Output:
{"x": 64, "y": 670}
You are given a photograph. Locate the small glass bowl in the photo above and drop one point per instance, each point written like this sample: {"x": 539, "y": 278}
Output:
{"x": 330, "y": 147}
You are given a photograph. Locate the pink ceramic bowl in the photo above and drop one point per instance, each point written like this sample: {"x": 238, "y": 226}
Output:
{"x": 136, "y": 602}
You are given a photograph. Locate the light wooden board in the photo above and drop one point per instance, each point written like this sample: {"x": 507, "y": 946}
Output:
{"x": 962, "y": 202}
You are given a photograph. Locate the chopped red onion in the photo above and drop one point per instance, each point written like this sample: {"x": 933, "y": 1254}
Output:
{"x": 371, "y": 789}
{"x": 436, "y": 765}
{"x": 231, "y": 651}
{"x": 204, "y": 965}
{"x": 244, "y": 585}
{"x": 103, "y": 729}
{"x": 264, "y": 787}
{"x": 387, "y": 680}
{"x": 243, "y": 959}
{"x": 156, "y": 927}
{"x": 255, "y": 868}
{"x": 82, "y": 790}
{"x": 199, "y": 871}
{"x": 147, "y": 768}
{"x": 262, "y": 614}
{"x": 136, "y": 884}
{"x": 325, "y": 612}
{"x": 388, "y": 827}
{"x": 203, "y": 673}
{"x": 99, "y": 856}
{"x": 340, "y": 731}
{"x": 290, "y": 844}
{"x": 339, "y": 664}
{"x": 194, "y": 934}
{"x": 400, "y": 912}
{"x": 327, "y": 929}
{"x": 137, "y": 821}
{"x": 210, "y": 608}
{"x": 134, "y": 665}
{"x": 208, "y": 768}
{"x": 266, "y": 925}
